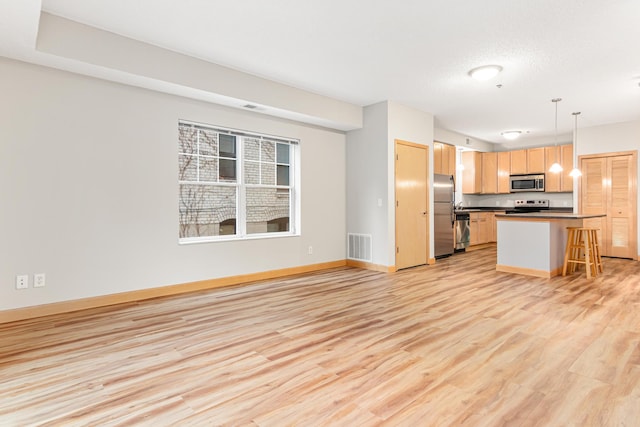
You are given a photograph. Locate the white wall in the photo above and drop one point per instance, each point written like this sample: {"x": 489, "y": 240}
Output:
{"x": 367, "y": 181}
{"x": 371, "y": 172}
{"x": 88, "y": 178}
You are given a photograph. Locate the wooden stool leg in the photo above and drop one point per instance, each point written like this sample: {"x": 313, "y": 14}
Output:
{"x": 596, "y": 255}
{"x": 568, "y": 251}
{"x": 577, "y": 248}
{"x": 587, "y": 254}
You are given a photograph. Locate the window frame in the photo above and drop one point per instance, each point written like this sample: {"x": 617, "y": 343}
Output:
{"x": 241, "y": 186}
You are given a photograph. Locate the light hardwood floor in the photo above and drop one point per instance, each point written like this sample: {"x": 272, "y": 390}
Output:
{"x": 455, "y": 343}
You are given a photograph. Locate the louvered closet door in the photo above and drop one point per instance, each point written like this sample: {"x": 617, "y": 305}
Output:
{"x": 608, "y": 186}
{"x": 594, "y": 196}
{"x": 619, "y": 216}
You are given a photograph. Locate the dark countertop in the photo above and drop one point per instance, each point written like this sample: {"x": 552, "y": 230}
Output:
{"x": 504, "y": 208}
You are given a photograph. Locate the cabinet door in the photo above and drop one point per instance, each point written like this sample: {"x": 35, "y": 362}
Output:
{"x": 451, "y": 159}
{"x": 472, "y": 172}
{"x": 621, "y": 199}
{"x": 504, "y": 169}
{"x": 535, "y": 160}
{"x": 483, "y": 228}
{"x": 566, "y": 154}
{"x": 489, "y": 173}
{"x": 518, "y": 162}
{"x": 437, "y": 157}
{"x": 551, "y": 179}
{"x": 473, "y": 228}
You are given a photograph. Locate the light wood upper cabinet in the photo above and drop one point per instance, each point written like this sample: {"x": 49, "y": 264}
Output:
{"x": 535, "y": 160}
{"x": 472, "y": 173}
{"x": 527, "y": 161}
{"x": 561, "y": 181}
{"x": 566, "y": 153}
{"x": 551, "y": 179}
{"x": 504, "y": 170}
{"x": 518, "y": 162}
{"x": 444, "y": 158}
{"x": 489, "y": 173}
{"x": 450, "y": 159}
{"x": 437, "y": 157}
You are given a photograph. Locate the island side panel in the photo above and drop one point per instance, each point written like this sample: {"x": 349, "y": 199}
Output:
{"x": 533, "y": 246}
{"x": 524, "y": 247}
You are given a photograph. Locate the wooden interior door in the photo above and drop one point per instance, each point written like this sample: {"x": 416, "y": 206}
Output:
{"x": 608, "y": 185}
{"x": 411, "y": 204}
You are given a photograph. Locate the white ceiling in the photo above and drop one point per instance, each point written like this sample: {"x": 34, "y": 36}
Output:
{"x": 415, "y": 52}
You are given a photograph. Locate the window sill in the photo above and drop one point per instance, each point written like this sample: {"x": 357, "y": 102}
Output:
{"x": 218, "y": 239}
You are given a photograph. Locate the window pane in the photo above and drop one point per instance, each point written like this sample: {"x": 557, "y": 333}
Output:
{"x": 268, "y": 151}
{"x": 251, "y": 149}
{"x": 228, "y": 227}
{"x": 283, "y": 175}
{"x": 187, "y": 168}
{"x": 252, "y": 173}
{"x": 208, "y": 143}
{"x": 283, "y": 154}
{"x": 264, "y": 206}
{"x": 268, "y": 175}
{"x": 208, "y": 169}
{"x": 227, "y": 145}
{"x": 206, "y": 210}
{"x": 187, "y": 137}
{"x": 277, "y": 225}
{"x": 227, "y": 170}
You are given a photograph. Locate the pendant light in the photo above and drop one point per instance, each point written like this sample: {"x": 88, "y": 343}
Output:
{"x": 575, "y": 172}
{"x": 556, "y": 167}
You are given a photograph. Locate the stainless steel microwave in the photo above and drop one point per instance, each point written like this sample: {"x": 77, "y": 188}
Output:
{"x": 522, "y": 183}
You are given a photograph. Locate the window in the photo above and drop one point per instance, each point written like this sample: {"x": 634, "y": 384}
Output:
{"x": 235, "y": 184}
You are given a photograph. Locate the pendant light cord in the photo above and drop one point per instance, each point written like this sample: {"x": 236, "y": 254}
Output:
{"x": 555, "y": 139}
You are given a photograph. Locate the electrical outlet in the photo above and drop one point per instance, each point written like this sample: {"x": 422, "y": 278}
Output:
{"x": 310, "y": 250}
{"x": 22, "y": 281}
{"x": 38, "y": 280}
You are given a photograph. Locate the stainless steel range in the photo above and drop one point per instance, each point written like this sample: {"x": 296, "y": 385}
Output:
{"x": 524, "y": 206}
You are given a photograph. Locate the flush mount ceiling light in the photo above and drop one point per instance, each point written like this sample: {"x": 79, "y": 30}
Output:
{"x": 511, "y": 134}
{"x": 556, "y": 167}
{"x": 485, "y": 72}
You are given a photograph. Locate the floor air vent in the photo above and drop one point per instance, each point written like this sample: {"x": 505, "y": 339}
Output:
{"x": 359, "y": 247}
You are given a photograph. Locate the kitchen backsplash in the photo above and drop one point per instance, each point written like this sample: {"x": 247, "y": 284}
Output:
{"x": 556, "y": 200}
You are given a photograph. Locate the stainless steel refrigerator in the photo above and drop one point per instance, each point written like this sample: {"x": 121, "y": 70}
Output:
{"x": 443, "y": 213}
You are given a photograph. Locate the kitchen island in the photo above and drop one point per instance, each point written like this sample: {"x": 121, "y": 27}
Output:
{"x": 534, "y": 243}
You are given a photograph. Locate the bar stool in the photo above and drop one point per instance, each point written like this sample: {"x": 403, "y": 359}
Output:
{"x": 582, "y": 248}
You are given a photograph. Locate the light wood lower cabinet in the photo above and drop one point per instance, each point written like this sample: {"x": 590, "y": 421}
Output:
{"x": 483, "y": 227}
{"x": 478, "y": 228}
